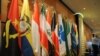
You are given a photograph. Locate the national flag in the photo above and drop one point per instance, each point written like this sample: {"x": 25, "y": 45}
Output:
{"x": 0, "y": 36}
{"x": 48, "y": 24}
{"x": 36, "y": 28}
{"x": 62, "y": 46}
{"x": 43, "y": 34}
{"x": 10, "y": 36}
{"x": 25, "y": 30}
{"x": 77, "y": 38}
{"x": 48, "y": 32}
{"x": 13, "y": 14}
{"x": 67, "y": 30}
{"x": 76, "y": 33}
{"x": 73, "y": 40}
{"x": 55, "y": 40}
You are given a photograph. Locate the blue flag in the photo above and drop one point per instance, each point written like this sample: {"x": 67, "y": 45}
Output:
{"x": 62, "y": 37}
{"x": 74, "y": 44}
{"x": 26, "y": 47}
{"x": 25, "y": 29}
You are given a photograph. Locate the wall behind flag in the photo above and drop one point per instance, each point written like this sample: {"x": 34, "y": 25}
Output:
{"x": 0, "y": 18}
{"x": 60, "y": 8}
{"x": 88, "y": 33}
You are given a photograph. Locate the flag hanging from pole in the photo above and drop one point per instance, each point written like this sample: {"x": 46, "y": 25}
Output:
{"x": 62, "y": 46}
{"x": 36, "y": 29}
{"x": 10, "y": 36}
{"x": 48, "y": 32}
{"x": 54, "y": 29}
{"x": 76, "y": 33}
{"x": 67, "y": 30}
{"x": 77, "y": 38}
{"x": 73, "y": 40}
{"x": 43, "y": 34}
{"x": 13, "y": 14}
{"x": 25, "y": 30}
{"x": 48, "y": 25}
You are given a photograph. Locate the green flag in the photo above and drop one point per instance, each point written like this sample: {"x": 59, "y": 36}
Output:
{"x": 67, "y": 35}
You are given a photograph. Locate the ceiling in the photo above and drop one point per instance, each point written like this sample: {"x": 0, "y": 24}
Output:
{"x": 91, "y": 11}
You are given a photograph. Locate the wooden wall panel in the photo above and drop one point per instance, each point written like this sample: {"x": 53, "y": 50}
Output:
{"x": 60, "y": 8}
{"x": 88, "y": 33}
{"x": 51, "y": 2}
{"x": 4, "y": 4}
{"x": 0, "y": 18}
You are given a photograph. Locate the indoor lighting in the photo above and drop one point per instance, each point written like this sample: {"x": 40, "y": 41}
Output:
{"x": 79, "y": 14}
{"x": 84, "y": 8}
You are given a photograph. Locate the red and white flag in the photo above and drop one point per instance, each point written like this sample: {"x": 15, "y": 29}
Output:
{"x": 54, "y": 28}
{"x": 43, "y": 34}
{"x": 36, "y": 29}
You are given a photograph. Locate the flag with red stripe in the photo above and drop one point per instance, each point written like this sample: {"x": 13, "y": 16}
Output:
{"x": 48, "y": 31}
{"x": 10, "y": 36}
{"x": 55, "y": 40}
{"x": 36, "y": 29}
{"x": 13, "y": 14}
{"x": 43, "y": 34}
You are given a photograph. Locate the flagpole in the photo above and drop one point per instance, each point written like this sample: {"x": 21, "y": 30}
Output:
{"x": 0, "y": 35}
{"x": 0, "y": 25}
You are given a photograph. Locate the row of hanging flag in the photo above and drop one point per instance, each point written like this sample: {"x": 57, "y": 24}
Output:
{"x": 39, "y": 34}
